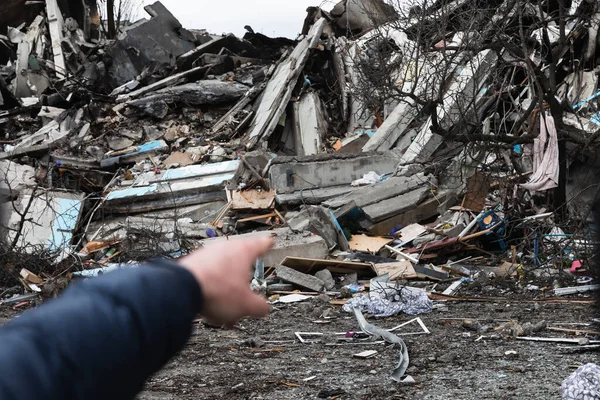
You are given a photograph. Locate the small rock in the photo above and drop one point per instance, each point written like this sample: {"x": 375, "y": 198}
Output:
{"x": 345, "y": 293}
{"x": 327, "y": 278}
{"x": 350, "y": 278}
{"x": 133, "y": 135}
{"x": 119, "y": 143}
{"x": 446, "y": 358}
{"x": 95, "y": 151}
{"x": 255, "y": 342}
{"x": 583, "y": 341}
{"x": 322, "y": 298}
{"x": 152, "y": 133}
{"x": 408, "y": 380}
{"x": 331, "y": 313}
{"x": 216, "y": 155}
{"x": 472, "y": 325}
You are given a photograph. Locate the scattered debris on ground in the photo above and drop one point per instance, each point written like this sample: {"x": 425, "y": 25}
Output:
{"x": 407, "y": 161}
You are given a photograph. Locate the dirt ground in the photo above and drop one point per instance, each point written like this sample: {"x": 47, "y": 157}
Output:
{"x": 263, "y": 360}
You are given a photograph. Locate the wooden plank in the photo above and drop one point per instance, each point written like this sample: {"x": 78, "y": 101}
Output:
{"x": 410, "y": 233}
{"x": 368, "y": 244}
{"x": 555, "y": 340}
{"x": 478, "y": 187}
{"x": 310, "y": 265}
{"x": 441, "y": 297}
{"x": 56, "y": 22}
{"x": 252, "y": 199}
{"x": 255, "y": 173}
{"x": 257, "y": 217}
{"x": 575, "y": 331}
{"x": 400, "y": 270}
{"x": 31, "y": 277}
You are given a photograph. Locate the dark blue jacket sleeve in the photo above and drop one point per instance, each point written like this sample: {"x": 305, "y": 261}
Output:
{"x": 103, "y": 338}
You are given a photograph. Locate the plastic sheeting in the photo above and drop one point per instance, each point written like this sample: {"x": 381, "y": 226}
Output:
{"x": 583, "y": 384}
{"x": 391, "y": 301}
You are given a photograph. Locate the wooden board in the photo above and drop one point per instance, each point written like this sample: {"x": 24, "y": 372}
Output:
{"x": 368, "y": 244}
{"x": 478, "y": 187}
{"x": 410, "y": 233}
{"x": 310, "y": 266}
{"x": 252, "y": 199}
{"x": 399, "y": 270}
{"x": 31, "y": 277}
{"x": 182, "y": 159}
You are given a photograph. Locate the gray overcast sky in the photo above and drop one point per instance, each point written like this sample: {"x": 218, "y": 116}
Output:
{"x": 270, "y": 17}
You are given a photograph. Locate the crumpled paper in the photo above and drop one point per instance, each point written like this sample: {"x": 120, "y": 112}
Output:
{"x": 583, "y": 384}
{"x": 384, "y": 303}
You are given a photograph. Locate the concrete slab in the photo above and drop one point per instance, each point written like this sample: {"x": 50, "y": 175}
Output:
{"x": 279, "y": 89}
{"x": 387, "y": 189}
{"x": 312, "y": 196}
{"x": 310, "y": 124}
{"x": 140, "y": 44}
{"x": 51, "y": 219}
{"x": 299, "y": 279}
{"x": 388, "y": 208}
{"x": 195, "y": 184}
{"x": 291, "y": 174}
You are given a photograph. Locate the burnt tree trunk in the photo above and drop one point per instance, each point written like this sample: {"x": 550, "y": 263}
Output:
{"x": 110, "y": 16}
{"x": 560, "y": 193}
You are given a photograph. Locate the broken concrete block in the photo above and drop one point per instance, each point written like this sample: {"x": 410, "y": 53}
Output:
{"x": 152, "y": 133}
{"x": 380, "y": 191}
{"x": 135, "y": 135}
{"x": 299, "y": 279}
{"x": 327, "y": 278}
{"x": 288, "y": 244}
{"x": 310, "y": 125}
{"x": 318, "y": 221}
{"x": 388, "y": 208}
{"x": 312, "y": 196}
{"x": 212, "y": 92}
{"x": 291, "y": 174}
{"x": 50, "y": 221}
{"x": 279, "y": 88}
{"x": 119, "y": 143}
{"x": 195, "y": 184}
{"x": 16, "y": 177}
{"x": 359, "y": 16}
{"x": 137, "y": 153}
{"x": 467, "y": 83}
{"x": 350, "y": 279}
{"x": 425, "y": 210}
{"x": 140, "y": 44}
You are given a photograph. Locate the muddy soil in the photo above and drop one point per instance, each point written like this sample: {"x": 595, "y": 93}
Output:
{"x": 263, "y": 360}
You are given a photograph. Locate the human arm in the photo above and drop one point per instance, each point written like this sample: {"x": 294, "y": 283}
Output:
{"x": 104, "y": 337}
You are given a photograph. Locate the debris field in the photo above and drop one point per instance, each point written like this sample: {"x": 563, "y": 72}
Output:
{"x": 428, "y": 172}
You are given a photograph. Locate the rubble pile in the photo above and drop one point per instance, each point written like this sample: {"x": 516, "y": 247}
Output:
{"x": 394, "y": 150}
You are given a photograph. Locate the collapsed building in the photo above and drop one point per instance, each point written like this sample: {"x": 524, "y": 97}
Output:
{"x": 394, "y": 146}
{"x": 383, "y": 141}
